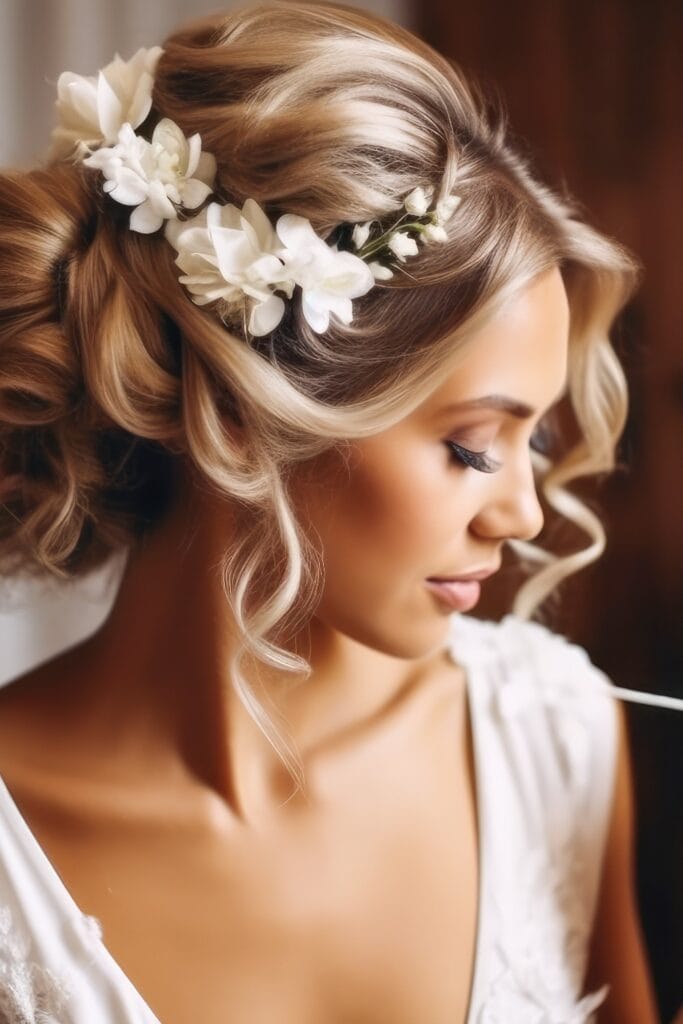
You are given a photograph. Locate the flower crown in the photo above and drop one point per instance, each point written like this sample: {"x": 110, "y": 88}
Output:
{"x": 225, "y": 253}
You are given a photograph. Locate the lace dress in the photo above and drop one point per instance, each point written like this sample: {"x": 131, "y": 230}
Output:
{"x": 544, "y": 735}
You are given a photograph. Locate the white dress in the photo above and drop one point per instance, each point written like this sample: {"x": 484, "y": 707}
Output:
{"x": 544, "y": 734}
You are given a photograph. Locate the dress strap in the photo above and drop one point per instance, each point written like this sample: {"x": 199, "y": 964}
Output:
{"x": 545, "y": 739}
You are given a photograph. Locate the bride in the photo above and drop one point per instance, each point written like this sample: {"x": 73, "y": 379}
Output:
{"x": 286, "y": 318}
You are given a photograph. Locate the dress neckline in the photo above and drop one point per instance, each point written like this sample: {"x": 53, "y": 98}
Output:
{"x": 83, "y": 923}
{"x": 87, "y": 925}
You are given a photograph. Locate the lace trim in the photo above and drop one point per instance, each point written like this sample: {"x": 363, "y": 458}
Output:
{"x": 29, "y": 992}
{"x": 539, "y": 927}
{"x": 539, "y": 955}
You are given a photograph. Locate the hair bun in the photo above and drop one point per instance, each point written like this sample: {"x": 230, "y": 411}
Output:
{"x": 42, "y": 213}
{"x": 41, "y": 224}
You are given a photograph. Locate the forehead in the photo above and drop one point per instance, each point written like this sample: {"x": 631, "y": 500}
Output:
{"x": 520, "y": 352}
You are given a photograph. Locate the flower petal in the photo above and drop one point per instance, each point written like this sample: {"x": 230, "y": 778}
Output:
{"x": 266, "y": 239}
{"x": 297, "y": 233}
{"x": 435, "y": 233}
{"x": 168, "y": 135}
{"x": 194, "y": 148}
{"x": 402, "y": 245}
{"x": 256, "y": 289}
{"x": 80, "y": 95}
{"x": 251, "y": 237}
{"x": 109, "y": 111}
{"x": 379, "y": 271}
{"x": 141, "y": 101}
{"x": 145, "y": 219}
{"x": 318, "y": 320}
{"x": 233, "y": 251}
{"x": 337, "y": 304}
{"x": 267, "y": 267}
{"x": 265, "y": 316}
{"x": 161, "y": 201}
{"x": 418, "y": 201}
{"x": 194, "y": 192}
{"x": 361, "y": 233}
{"x": 129, "y": 188}
{"x": 184, "y": 234}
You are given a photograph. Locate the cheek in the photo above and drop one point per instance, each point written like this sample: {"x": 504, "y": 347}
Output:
{"x": 397, "y": 515}
{"x": 382, "y": 527}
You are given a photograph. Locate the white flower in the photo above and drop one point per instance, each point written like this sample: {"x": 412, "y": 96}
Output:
{"x": 361, "y": 233}
{"x": 227, "y": 253}
{"x": 402, "y": 245}
{"x": 91, "y": 110}
{"x": 434, "y": 233}
{"x": 418, "y": 201}
{"x": 445, "y": 208}
{"x": 152, "y": 176}
{"x": 329, "y": 279}
{"x": 380, "y": 272}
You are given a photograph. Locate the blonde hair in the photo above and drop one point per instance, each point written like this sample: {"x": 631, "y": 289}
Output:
{"x": 109, "y": 373}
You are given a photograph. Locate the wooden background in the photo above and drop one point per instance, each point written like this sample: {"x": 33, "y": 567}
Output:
{"x": 596, "y": 89}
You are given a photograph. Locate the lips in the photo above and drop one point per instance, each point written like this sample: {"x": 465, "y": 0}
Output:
{"x": 461, "y": 592}
{"x": 459, "y": 595}
{"x": 477, "y": 574}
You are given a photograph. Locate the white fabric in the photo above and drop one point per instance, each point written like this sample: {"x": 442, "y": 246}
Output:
{"x": 544, "y": 733}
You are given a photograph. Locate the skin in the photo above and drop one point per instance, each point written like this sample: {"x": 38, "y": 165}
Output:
{"x": 191, "y": 800}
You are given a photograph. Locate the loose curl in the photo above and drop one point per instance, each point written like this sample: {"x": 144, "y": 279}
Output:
{"x": 109, "y": 374}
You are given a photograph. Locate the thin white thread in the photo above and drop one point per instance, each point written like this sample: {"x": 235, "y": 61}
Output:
{"x": 657, "y": 700}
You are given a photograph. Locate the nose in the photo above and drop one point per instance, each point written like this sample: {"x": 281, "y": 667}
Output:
{"x": 511, "y": 509}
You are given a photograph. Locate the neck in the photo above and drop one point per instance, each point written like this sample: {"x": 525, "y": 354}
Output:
{"x": 156, "y": 675}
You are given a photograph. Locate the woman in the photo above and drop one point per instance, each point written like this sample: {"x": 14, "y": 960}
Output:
{"x": 286, "y": 317}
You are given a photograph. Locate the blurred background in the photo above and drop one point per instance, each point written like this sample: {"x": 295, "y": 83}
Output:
{"x": 594, "y": 88}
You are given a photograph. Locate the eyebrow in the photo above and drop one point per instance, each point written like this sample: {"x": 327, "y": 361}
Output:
{"x": 518, "y": 409}
{"x": 499, "y": 401}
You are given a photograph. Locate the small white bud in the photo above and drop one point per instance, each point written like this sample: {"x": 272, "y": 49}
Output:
{"x": 435, "y": 233}
{"x": 380, "y": 272}
{"x": 402, "y": 245}
{"x": 361, "y": 233}
{"x": 418, "y": 201}
{"x": 445, "y": 208}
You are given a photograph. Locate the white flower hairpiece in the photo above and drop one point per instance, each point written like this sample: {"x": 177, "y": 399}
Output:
{"x": 92, "y": 109}
{"x": 152, "y": 176}
{"x": 226, "y": 254}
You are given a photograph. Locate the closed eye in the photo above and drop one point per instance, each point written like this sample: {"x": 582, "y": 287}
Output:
{"x": 541, "y": 441}
{"x": 474, "y": 460}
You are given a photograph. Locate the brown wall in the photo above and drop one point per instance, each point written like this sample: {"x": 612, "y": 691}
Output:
{"x": 596, "y": 88}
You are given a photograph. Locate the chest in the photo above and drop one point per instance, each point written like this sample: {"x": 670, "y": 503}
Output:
{"x": 362, "y": 908}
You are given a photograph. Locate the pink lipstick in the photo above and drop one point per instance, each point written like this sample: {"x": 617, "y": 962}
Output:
{"x": 461, "y": 595}
{"x": 461, "y": 592}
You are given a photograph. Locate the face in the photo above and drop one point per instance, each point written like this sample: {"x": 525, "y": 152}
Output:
{"x": 414, "y": 502}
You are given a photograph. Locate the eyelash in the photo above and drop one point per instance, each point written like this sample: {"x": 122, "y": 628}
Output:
{"x": 474, "y": 460}
{"x": 483, "y": 464}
